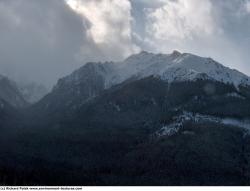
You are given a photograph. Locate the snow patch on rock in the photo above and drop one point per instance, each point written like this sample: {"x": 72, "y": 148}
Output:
{"x": 179, "y": 122}
{"x": 236, "y": 95}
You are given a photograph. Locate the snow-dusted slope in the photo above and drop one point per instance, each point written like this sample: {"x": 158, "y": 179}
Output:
{"x": 170, "y": 67}
{"x": 177, "y": 67}
{"x": 180, "y": 120}
{"x": 92, "y": 78}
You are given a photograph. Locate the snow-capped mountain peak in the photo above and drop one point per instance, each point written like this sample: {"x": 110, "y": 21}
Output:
{"x": 168, "y": 67}
{"x": 180, "y": 67}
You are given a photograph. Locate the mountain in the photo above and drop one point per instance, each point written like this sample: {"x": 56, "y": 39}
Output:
{"x": 75, "y": 89}
{"x": 11, "y": 102}
{"x": 5, "y": 110}
{"x": 140, "y": 132}
{"x": 91, "y": 79}
{"x": 152, "y": 119}
{"x": 169, "y": 67}
{"x": 10, "y": 93}
{"x": 179, "y": 67}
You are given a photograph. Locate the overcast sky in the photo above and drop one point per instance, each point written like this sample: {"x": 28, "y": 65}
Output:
{"x": 42, "y": 40}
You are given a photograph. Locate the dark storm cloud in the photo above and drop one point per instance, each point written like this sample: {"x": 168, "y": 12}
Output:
{"x": 39, "y": 40}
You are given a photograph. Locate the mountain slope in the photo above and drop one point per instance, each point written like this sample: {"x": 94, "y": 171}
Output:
{"x": 75, "y": 89}
{"x": 91, "y": 79}
{"x": 150, "y": 120}
{"x": 112, "y": 138}
{"x": 10, "y": 93}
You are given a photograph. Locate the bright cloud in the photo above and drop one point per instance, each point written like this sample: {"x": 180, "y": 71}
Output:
{"x": 110, "y": 23}
{"x": 181, "y": 19}
{"x": 248, "y": 6}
